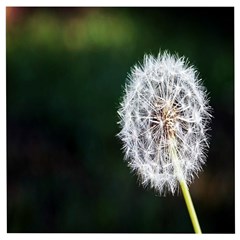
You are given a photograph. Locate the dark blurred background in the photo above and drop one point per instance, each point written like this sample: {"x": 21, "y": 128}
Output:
{"x": 66, "y": 68}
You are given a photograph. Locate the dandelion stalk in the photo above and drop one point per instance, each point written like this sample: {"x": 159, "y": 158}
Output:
{"x": 164, "y": 116}
{"x": 190, "y": 207}
{"x": 184, "y": 188}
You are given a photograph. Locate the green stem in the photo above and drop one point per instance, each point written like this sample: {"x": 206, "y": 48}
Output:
{"x": 190, "y": 207}
{"x": 184, "y": 187}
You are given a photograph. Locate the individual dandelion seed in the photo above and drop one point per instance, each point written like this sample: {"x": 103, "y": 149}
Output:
{"x": 164, "y": 116}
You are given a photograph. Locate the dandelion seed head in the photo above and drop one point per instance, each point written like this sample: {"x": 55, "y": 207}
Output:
{"x": 164, "y": 100}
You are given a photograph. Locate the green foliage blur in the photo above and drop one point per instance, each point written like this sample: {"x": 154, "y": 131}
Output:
{"x": 66, "y": 69}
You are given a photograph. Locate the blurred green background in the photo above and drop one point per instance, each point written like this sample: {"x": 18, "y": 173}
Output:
{"x": 66, "y": 68}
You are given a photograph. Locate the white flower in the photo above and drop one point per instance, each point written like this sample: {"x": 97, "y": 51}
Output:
{"x": 164, "y": 111}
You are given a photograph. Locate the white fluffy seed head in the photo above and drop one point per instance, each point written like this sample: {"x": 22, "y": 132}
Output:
{"x": 164, "y": 100}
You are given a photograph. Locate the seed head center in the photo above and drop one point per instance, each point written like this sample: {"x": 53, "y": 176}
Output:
{"x": 168, "y": 116}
